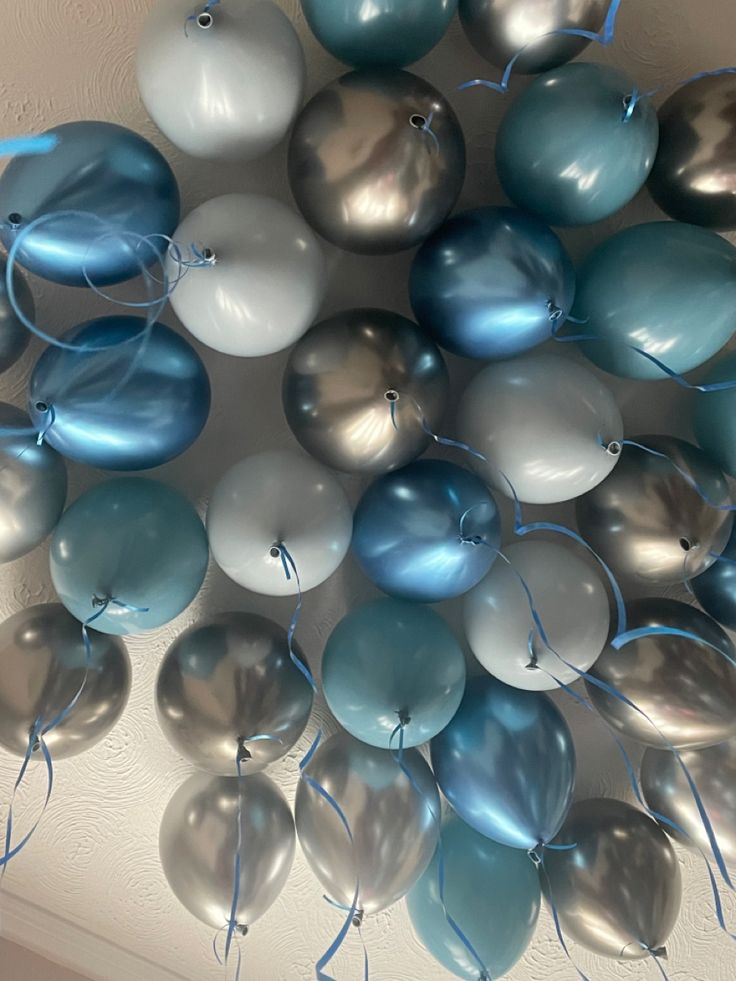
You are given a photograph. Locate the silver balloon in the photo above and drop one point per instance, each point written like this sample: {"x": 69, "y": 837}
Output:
{"x": 376, "y": 160}
{"x": 199, "y": 836}
{"x": 647, "y": 522}
{"x": 342, "y": 380}
{"x": 395, "y": 832}
{"x": 225, "y": 681}
{"x": 14, "y": 335}
{"x": 43, "y": 666}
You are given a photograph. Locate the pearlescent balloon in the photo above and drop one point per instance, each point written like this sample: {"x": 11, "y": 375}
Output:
{"x": 14, "y": 335}
{"x": 715, "y": 589}
{"x": 714, "y": 415}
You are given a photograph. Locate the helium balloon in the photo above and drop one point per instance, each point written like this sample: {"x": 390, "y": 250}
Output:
{"x": 648, "y": 522}
{"x": 120, "y": 181}
{"x": 427, "y": 532}
{"x": 376, "y": 161}
{"x": 715, "y": 589}
{"x": 491, "y": 282}
{"x": 44, "y": 666}
{"x": 506, "y": 764}
{"x": 135, "y": 547}
{"x": 394, "y": 822}
{"x": 565, "y": 150}
{"x": 390, "y": 663}
{"x": 272, "y": 500}
{"x": 199, "y": 839}
{"x": 14, "y": 335}
{"x": 222, "y": 84}
{"x": 262, "y": 282}
{"x": 714, "y": 416}
{"x": 570, "y": 600}
{"x": 361, "y": 388}
{"x": 543, "y": 424}
{"x": 225, "y": 681}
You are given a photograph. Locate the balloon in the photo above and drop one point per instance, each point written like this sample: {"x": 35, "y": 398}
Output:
{"x": 389, "y": 662}
{"x": 492, "y": 893}
{"x": 133, "y": 543}
{"x": 426, "y": 532}
{"x": 394, "y": 824}
{"x": 273, "y": 499}
{"x": 646, "y": 520}
{"x": 715, "y": 589}
{"x": 225, "y": 83}
{"x": 564, "y": 150}
{"x": 199, "y": 839}
{"x": 345, "y": 376}
{"x": 44, "y": 666}
{"x": 122, "y": 183}
{"x": 544, "y": 422}
{"x": 368, "y": 169}
{"x": 677, "y": 304}
{"x": 488, "y": 282}
{"x": 687, "y": 689}
{"x": 225, "y": 681}
{"x": 265, "y": 280}
{"x": 714, "y": 416}
{"x": 14, "y": 335}
{"x": 570, "y": 600}
{"x": 506, "y": 764}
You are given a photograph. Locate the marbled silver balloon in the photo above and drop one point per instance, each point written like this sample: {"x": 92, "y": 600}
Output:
{"x": 14, "y": 335}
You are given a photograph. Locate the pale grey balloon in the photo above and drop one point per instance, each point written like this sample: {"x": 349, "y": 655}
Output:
{"x": 14, "y": 335}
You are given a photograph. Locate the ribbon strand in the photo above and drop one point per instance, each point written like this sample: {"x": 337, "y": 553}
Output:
{"x": 24, "y": 146}
{"x": 289, "y": 567}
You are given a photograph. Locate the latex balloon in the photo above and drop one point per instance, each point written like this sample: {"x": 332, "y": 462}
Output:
{"x": 678, "y": 304}
{"x": 544, "y": 422}
{"x": 360, "y": 388}
{"x": 715, "y": 589}
{"x": 714, "y": 415}
{"x": 569, "y": 598}
{"x": 645, "y": 519}
{"x": 489, "y": 282}
{"x": 199, "y": 839}
{"x": 122, "y": 183}
{"x": 565, "y": 150}
{"x": 274, "y": 499}
{"x": 390, "y": 662}
{"x": 395, "y": 825}
{"x": 44, "y": 666}
{"x": 131, "y": 407}
{"x": 506, "y": 764}
{"x": 221, "y": 83}
{"x": 426, "y": 532}
{"x": 263, "y": 283}
{"x": 135, "y": 545}
{"x": 376, "y": 160}
{"x": 687, "y": 689}
{"x": 14, "y": 335}
{"x": 226, "y": 680}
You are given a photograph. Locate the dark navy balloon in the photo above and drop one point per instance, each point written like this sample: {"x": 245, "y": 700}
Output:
{"x": 491, "y": 282}
{"x": 714, "y": 416}
{"x": 715, "y": 589}
{"x": 133, "y": 406}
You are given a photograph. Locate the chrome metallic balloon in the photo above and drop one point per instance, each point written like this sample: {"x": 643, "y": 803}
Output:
{"x": 715, "y": 589}
{"x": 14, "y": 335}
{"x": 225, "y": 681}
{"x": 360, "y": 388}
{"x": 44, "y": 665}
{"x": 618, "y": 892}
{"x": 645, "y": 519}
{"x": 686, "y": 688}
{"x": 395, "y": 825}
{"x": 376, "y": 160}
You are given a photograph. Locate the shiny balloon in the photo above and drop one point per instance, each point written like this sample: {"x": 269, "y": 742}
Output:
{"x": 360, "y": 388}
{"x": 376, "y": 161}
{"x": 715, "y": 589}
{"x": 14, "y": 335}
{"x": 394, "y": 823}
{"x": 122, "y": 183}
{"x": 564, "y": 150}
{"x": 714, "y": 415}
{"x": 427, "y": 532}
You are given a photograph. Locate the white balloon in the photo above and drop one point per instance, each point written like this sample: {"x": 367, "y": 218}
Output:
{"x": 272, "y": 499}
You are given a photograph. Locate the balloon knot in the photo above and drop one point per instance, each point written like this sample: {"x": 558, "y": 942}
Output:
{"x": 613, "y": 448}
{"x": 659, "y": 952}
{"x": 275, "y": 551}
{"x": 471, "y": 540}
{"x": 98, "y": 601}
{"x": 535, "y": 854}
{"x": 15, "y": 220}
{"x": 404, "y": 717}
{"x": 244, "y": 754}
{"x": 358, "y": 918}
{"x": 242, "y": 929}
{"x": 391, "y": 395}
{"x": 555, "y": 312}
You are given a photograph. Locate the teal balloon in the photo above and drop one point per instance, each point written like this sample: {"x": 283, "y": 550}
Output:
{"x": 491, "y": 891}
{"x": 666, "y": 288}
{"x": 392, "y": 660}
{"x": 564, "y": 150}
{"x": 714, "y": 416}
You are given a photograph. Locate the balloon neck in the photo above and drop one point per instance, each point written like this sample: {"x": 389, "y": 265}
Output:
{"x": 404, "y": 717}
{"x": 100, "y": 601}
{"x": 613, "y": 448}
{"x": 275, "y": 551}
{"x": 244, "y": 754}
{"x": 629, "y": 104}
{"x": 205, "y": 20}
{"x": 15, "y": 220}
{"x": 358, "y": 918}
{"x": 535, "y": 854}
{"x": 418, "y": 121}
{"x": 555, "y": 313}
{"x": 658, "y": 952}
{"x": 688, "y": 544}
{"x": 209, "y": 256}
{"x": 391, "y": 395}
{"x": 533, "y": 664}
{"x": 241, "y": 929}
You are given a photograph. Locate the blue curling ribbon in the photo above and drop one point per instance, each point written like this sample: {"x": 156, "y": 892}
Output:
{"x": 636, "y": 96}
{"x": 290, "y": 566}
{"x": 24, "y": 146}
{"x": 426, "y": 127}
{"x": 555, "y": 915}
{"x": 51, "y": 420}
{"x": 393, "y": 397}
{"x": 358, "y": 924}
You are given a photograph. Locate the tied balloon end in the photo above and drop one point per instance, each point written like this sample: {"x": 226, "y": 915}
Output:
{"x": 243, "y": 753}
{"x": 47, "y": 410}
{"x": 392, "y": 397}
{"x": 630, "y": 103}
{"x": 203, "y": 19}
{"x": 423, "y": 123}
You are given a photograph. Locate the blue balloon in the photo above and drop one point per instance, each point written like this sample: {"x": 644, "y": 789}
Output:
{"x": 116, "y": 177}
{"x": 491, "y": 282}
{"x": 565, "y": 151}
{"x": 714, "y": 416}
{"x": 388, "y": 662}
{"x": 426, "y": 532}
{"x": 506, "y": 764}
{"x": 491, "y": 891}
{"x": 133, "y": 406}
{"x": 715, "y": 589}
{"x": 132, "y": 543}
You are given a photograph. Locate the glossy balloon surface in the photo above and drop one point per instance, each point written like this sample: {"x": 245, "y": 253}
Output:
{"x": 714, "y": 415}
{"x": 14, "y": 335}
{"x": 715, "y": 589}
